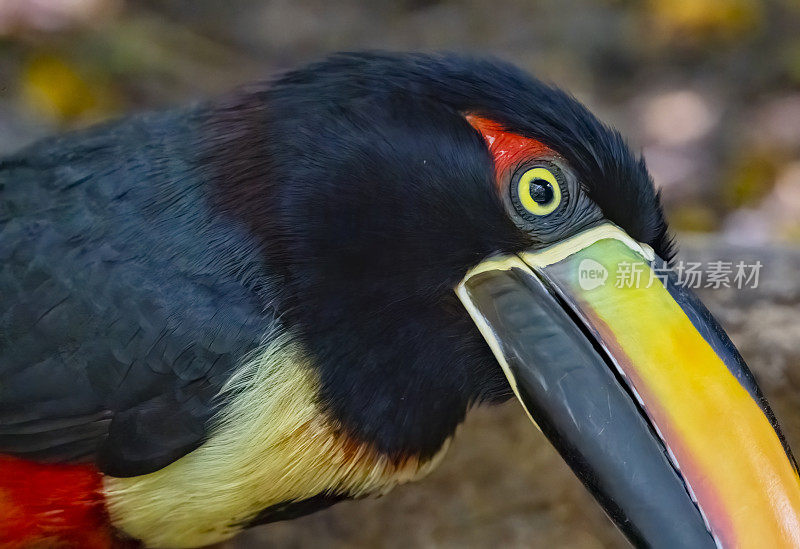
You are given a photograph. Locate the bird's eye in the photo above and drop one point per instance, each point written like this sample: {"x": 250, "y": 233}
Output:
{"x": 536, "y": 192}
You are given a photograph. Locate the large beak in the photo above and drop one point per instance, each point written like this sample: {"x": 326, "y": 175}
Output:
{"x": 640, "y": 391}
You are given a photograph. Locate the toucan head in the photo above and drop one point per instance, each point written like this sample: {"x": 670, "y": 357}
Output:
{"x": 450, "y": 231}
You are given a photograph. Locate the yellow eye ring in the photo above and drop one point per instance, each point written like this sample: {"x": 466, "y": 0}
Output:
{"x": 552, "y": 191}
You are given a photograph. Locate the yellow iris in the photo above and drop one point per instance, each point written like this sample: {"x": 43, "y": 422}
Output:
{"x": 526, "y": 198}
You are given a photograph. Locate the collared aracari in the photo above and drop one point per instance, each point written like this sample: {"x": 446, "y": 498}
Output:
{"x": 249, "y": 309}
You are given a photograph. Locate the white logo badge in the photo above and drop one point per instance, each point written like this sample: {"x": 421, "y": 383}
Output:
{"x": 591, "y": 274}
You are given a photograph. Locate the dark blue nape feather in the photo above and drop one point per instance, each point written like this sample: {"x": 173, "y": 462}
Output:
{"x": 122, "y": 295}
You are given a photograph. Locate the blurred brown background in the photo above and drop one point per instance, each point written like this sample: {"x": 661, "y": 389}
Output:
{"x": 709, "y": 90}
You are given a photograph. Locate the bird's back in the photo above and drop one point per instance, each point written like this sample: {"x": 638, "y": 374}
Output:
{"x": 125, "y": 300}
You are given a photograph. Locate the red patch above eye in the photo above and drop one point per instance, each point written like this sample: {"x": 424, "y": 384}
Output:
{"x": 508, "y": 149}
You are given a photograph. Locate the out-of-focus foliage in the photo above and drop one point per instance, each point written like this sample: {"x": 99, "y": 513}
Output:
{"x": 751, "y": 177}
{"x": 709, "y": 90}
{"x": 54, "y": 89}
{"x": 704, "y": 21}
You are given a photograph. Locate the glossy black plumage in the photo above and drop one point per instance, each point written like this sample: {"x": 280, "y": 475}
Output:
{"x": 142, "y": 260}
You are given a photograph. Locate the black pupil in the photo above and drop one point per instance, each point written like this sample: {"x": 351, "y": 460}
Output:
{"x": 541, "y": 191}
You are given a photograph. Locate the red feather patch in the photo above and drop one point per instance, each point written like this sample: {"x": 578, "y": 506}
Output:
{"x": 52, "y": 506}
{"x": 508, "y": 149}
